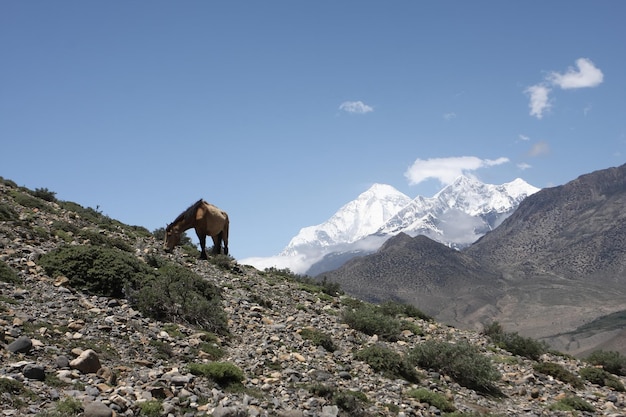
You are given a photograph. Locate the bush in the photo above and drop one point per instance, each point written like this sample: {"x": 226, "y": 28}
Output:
{"x": 8, "y": 274}
{"x": 370, "y": 320}
{"x": 351, "y": 402}
{"x": 610, "y": 361}
{"x": 391, "y": 364}
{"x": 603, "y": 378}
{"x": 318, "y": 338}
{"x": 224, "y": 374}
{"x": 176, "y": 294}
{"x": 45, "y": 194}
{"x": 432, "y": 398}
{"x": 96, "y": 270}
{"x": 514, "y": 343}
{"x": 28, "y": 201}
{"x": 393, "y": 308}
{"x": 152, "y": 408}
{"x": 461, "y": 361}
{"x": 7, "y": 213}
{"x": 559, "y": 372}
{"x": 572, "y": 403}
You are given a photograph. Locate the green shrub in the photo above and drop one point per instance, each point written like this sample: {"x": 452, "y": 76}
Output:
{"x": 460, "y": 361}
{"x": 318, "y": 338}
{"x": 28, "y": 201}
{"x": 601, "y": 377}
{"x": 370, "y": 320}
{"x": 8, "y": 274}
{"x": 514, "y": 343}
{"x": 224, "y": 374}
{"x": 96, "y": 270}
{"x": 391, "y": 364}
{"x": 611, "y": 361}
{"x": 45, "y": 194}
{"x": 177, "y": 294}
{"x": 559, "y": 372}
{"x": 100, "y": 239}
{"x": 572, "y": 403}
{"x": 351, "y": 402}
{"x": 152, "y": 408}
{"x": 435, "y": 399}
{"x": 393, "y": 308}
{"x": 7, "y": 213}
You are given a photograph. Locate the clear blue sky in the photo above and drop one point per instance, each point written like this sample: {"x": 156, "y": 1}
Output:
{"x": 280, "y": 112}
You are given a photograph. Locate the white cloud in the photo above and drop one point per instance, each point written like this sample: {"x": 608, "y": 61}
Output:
{"x": 524, "y": 166}
{"x": 356, "y": 107}
{"x": 587, "y": 75}
{"x": 446, "y": 170}
{"x": 524, "y": 137}
{"x": 449, "y": 116}
{"x": 539, "y": 100}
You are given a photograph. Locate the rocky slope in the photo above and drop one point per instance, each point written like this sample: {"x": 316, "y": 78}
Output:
{"x": 57, "y": 343}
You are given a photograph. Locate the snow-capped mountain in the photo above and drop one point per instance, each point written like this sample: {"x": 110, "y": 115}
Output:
{"x": 456, "y": 216}
{"x": 354, "y": 221}
{"x": 460, "y": 213}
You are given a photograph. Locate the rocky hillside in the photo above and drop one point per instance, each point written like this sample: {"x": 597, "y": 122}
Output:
{"x": 291, "y": 348}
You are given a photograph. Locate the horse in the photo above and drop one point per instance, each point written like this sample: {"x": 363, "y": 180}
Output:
{"x": 207, "y": 220}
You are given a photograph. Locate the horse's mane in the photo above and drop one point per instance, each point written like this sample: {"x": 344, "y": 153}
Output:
{"x": 185, "y": 214}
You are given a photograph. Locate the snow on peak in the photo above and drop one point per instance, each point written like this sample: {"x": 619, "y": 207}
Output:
{"x": 353, "y": 221}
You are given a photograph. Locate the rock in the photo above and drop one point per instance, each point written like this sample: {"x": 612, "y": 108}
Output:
{"x": 22, "y": 344}
{"x": 87, "y": 362}
{"x": 97, "y": 409}
{"x": 34, "y": 372}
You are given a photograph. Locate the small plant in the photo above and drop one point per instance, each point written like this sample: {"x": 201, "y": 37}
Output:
{"x": 350, "y": 402}
{"x": 369, "y": 319}
{"x": 461, "y": 361}
{"x": 323, "y": 390}
{"x": 318, "y": 338}
{"x": 393, "y": 308}
{"x": 559, "y": 372}
{"x": 432, "y": 398}
{"x": 7, "y": 213}
{"x": 12, "y": 391}
{"x": 389, "y": 363}
{"x": 8, "y": 274}
{"x": 572, "y": 403}
{"x": 611, "y": 361}
{"x": 151, "y": 408}
{"x": 224, "y": 374}
{"x": 514, "y": 343}
{"x": 601, "y": 377}
{"x": 45, "y": 194}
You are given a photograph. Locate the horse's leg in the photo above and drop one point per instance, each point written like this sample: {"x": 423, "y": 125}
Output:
{"x": 217, "y": 244}
{"x": 225, "y": 243}
{"x": 202, "y": 239}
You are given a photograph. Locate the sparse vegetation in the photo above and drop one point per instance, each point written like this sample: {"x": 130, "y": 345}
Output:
{"x": 388, "y": 362}
{"x": 559, "y": 372}
{"x": 572, "y": 403}
{"x": 432, "y": 398}
{"x": 611, "y": 361}
{"x": 601, "y": 377}
{"x": 369, "y": 319}
{"x": 224, "y": 374}
{"x": 8, "y": 274}
{"x": 318, "y": 338}
{"x": 152, "y": 408}
{"x": 514, "y": 343}
{"x": 461, "y": 361}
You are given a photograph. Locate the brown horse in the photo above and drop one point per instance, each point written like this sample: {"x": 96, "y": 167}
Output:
{"x": 207, "y": 220}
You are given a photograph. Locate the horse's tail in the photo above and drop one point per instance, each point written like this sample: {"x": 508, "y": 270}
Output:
{"x": 224, "y": 233}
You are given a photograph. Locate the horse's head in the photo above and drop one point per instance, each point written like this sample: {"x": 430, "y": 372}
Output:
{"x": 172, "y": 238}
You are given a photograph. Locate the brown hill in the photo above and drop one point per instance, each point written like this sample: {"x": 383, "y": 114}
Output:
{"x": 556, "y": 264}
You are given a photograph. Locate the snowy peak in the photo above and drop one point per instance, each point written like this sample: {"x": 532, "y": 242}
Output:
{"x": 353, "y": 221}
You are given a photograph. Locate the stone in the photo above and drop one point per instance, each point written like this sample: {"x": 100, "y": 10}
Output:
{"x": 22, "y": 344}
{"x": 87, "y": 362}
{"x": 37, "y": 372}
{"x": 97, "y": 409}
